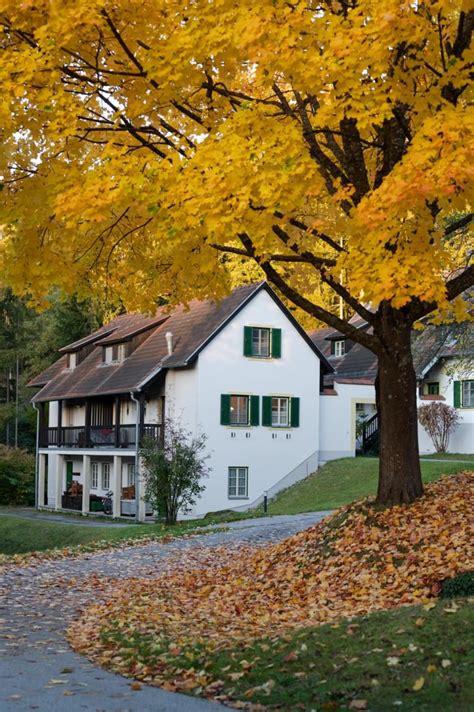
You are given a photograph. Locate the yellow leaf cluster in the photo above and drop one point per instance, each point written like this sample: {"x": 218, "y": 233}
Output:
{"x": 137, "y": 135}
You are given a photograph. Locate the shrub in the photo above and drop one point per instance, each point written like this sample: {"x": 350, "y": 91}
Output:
{"x": 460, "y": 585}
{"x": 173, "y": 471}
{"x": 439, "y": 420}
{"x": 17, "y": 476}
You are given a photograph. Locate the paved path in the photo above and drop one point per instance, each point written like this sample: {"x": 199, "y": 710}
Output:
{"x": 37, "y": 668}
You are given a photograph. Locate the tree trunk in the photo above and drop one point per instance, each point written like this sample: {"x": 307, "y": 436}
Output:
{"x": 399, "y": 469}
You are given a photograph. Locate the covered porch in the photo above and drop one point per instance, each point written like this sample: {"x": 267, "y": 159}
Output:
{"x": 74, "y": 482}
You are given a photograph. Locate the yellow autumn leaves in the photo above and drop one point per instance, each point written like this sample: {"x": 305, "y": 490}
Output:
{"x": 138, "y": 134}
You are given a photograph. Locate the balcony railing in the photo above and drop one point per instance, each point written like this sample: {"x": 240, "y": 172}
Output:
{"x": 97, "y": 436}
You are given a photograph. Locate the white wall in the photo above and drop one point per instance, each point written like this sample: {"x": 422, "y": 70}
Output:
{"x": 181, "y": 397}
{"x": 269, "y": 453}
{"x": 462, "y": 438}
{"x": 338, "y": 418}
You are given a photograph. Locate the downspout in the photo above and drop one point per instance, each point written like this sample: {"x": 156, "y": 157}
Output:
{"x": 37, "y": 454}
{"x": 137, "y": 440}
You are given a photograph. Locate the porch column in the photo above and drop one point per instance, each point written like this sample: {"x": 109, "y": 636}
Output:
{"x": 60, "y": 465}
{"x": 86, "y": 487}
{"x": 141, "y": 492}
{"x": 41, "y": 479}
{"x": 117, "y": 487}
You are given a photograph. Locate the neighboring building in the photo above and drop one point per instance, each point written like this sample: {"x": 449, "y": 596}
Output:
{"x": 444, "y": 364}
{"x": 242, "y": 371}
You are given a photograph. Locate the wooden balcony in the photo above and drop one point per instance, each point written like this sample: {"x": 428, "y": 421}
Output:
{"x": 97, "y": 436}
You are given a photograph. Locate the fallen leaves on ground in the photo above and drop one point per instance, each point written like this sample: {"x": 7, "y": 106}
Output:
{"x": 358, "y": 561}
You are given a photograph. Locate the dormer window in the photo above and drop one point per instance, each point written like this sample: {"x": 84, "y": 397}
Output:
{"x": 338, "y": 348}
{"x": 115, "y": 353}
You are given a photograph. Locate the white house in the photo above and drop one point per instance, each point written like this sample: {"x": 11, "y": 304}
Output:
{"x": 444, "y": 363}
{"x": 242, "y": 371}
{"x": 273, "y": 401}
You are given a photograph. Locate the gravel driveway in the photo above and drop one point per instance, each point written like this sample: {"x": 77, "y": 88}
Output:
{"x": 39, "y": 671}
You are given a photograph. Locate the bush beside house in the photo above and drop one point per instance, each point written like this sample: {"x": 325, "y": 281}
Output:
{"x": 17, "y": 476}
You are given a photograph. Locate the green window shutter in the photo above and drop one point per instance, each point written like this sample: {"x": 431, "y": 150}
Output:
{"x": 247, "y": 340}
{"x": 294, "y": 412}
{"x": 254, "y": 410}
{"x": 457, "y": 394}
{"x": 266, "y": 410}
{"x": 276, "y": 343}
{"x": 225, "y": 409}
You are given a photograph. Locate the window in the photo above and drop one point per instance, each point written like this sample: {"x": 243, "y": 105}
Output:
{"x": 239, "y": 410}
{"x": 94, "y": 475}
{"x": 238, "y": 482}
{"x": 280, "y": 411}
{"x": 262, "y": 342}
{"x": 468, "y": 394}
{"x": 339, "y": 348}
{"x": 433, "y": 389}
{"x": 464, "y": 394}
{"x": 131, "y": 474}
{"x": 105, "y": 475}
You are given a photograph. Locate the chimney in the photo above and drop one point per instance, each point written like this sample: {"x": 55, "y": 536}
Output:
{"x": 169, "y": 342}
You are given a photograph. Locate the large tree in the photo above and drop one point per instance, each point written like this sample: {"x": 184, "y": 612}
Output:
{"x": 148, "y": 144}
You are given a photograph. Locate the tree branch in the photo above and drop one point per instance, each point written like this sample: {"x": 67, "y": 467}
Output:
{"x": 370, "y": 341}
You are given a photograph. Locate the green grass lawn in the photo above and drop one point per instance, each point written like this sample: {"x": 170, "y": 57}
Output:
{"x": 342, "y": 481}
{"x": 379, "y": 660}
{"x": 21, "y": 536}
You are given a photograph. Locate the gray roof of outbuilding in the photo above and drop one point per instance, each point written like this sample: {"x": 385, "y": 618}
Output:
{"x": 429, "y": 345}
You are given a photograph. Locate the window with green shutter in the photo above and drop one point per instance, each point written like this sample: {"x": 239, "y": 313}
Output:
{"x": 240, "y": 410}
{"x": 280, "y": 411}
{"x": 466, "y": 394}
{"x": 262, "y": 342}
{"x": 433, "y": 388}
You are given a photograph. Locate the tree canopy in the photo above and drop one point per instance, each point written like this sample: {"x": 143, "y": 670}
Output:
{"x": 327, "y": 141}
{"x": 150, "y": 147}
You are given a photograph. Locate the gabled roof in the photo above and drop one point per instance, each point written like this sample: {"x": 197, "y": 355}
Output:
{"x": 192, "y": 327}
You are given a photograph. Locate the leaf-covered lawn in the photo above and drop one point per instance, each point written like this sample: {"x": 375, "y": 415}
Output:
{"x": 412, "y": 658}
{"x": 342, "y": 481}
{"x": 359, "y": 561}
